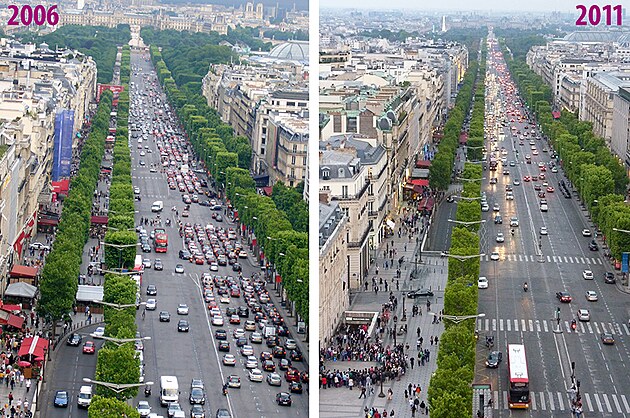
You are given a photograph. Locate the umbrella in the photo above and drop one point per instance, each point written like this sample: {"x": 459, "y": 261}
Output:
{"x": 23, "y": 363}
{"x": 39, "y": 358}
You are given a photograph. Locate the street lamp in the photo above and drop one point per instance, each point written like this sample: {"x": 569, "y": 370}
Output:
{"x": 470, "y": 180}
{"x": 117, "y": 387}
{"x": 118, "y": 306}
{"x": 123, "y": 213}
{"x": 464, "y": 258}
{"x": 119, "y": 341}
{"x": 120, "y": 229}
{"x": 119, "y": 247}
{"x": 456, "y": 319}
{"x": 467, "y": 223}
{"x": 469, "y": 199}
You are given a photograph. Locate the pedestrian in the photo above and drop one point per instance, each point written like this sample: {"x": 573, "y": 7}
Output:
{"x": 406, "y": 394}
{"x": 10, "y": 398}
{"x": 436, "y": 340}
{"x": 362, "y": 395}
{"x": 418, "y": 332}
{"x": 432, "y": 340}
{"x": 28, "y": 385}
{"x": 412, "y": 360}
{"x": 422, "y": 406}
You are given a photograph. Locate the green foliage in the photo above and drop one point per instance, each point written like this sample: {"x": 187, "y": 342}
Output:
{"x": 101, "y": 407}
{"x": 117, "y": 365}
{"x": 291, "y": 202}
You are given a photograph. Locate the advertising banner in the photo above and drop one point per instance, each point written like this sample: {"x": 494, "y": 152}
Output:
{"x": 62, "y": 151}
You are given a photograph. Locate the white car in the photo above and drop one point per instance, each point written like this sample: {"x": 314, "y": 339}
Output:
{"x": 516, "y": 182}
{"x": 514, "y": 221}
{"x": 224, "y": 299}
{"x": 290, "y": 344}
{"x": 146, "y": 263}
{"x": 229, "y": 360}
{"x": 151, "y": 304}
{"x": 500, "y": 237}
{"x": 238, "y": 333}
{"x": 251, "y": 363}
{"x": 99, "y": 332}
{"x": 217, "y": 320}
{"x": 583, "y": 315}
{"x": 591, "y": 296}
{"x": 543, "y": 230}
{"x": 256, "y": 375}
{"x": 39, "y": 246}
{"x": 494, "y": 256}
{"x": 143, "y": 408}
{"x": 482, "y": 283}
{"x": 247, "y": 350}
{"x": 214, "y": 266}
{"x": 496, "y": 208}
{"x": 182, "y": 309}
{"x": 136, "y": 190}
{"x": 587, "y": 275}
{"x": 485, "y": 207}
{"x": 242, "y": 254}
{"x": 586, "y": 232}
{"x": 179, "y": 269}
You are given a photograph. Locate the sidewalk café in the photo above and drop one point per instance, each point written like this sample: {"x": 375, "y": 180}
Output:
{"x": 32, "y": 352}
{"x": 26, "y": 274}
{"x": 21, "y": 292}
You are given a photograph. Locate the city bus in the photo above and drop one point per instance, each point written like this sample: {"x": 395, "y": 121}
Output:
{"x": 518, "y": 393}
{"x": 160, "y": 242}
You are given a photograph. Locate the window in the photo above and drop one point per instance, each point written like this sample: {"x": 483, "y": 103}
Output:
{"x": 325, "y": 173}
{"x": 293, "y": 160}
{"x": 295, "y": 148}
{"x": 304, "y": 161}
{"x": 344, "y": 191}
{"x": 290, "y": 104}
{"x": 341, "y": 173}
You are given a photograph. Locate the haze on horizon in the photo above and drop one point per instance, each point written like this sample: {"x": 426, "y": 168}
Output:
{"x": 462, "y": 5}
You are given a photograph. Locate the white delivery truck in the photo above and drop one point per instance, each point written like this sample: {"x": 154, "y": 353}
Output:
{"x": 157, "y": 206}
{"x": 169, "y": 390}
{"x": 85, "y": 397}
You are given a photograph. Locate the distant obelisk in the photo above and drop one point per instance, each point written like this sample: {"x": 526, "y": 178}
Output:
{"x": 443, "y": 24}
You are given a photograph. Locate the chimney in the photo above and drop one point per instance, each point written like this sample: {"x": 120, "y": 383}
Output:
{"x": 324, "y": 197}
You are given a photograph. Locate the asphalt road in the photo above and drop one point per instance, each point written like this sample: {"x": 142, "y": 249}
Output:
{"x": 513, "y": 316}
{"x": 193, "y": 354}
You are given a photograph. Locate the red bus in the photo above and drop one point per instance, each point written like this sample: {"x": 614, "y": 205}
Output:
{"x": 160, "y": 241}
{"x": 518, "y": 393}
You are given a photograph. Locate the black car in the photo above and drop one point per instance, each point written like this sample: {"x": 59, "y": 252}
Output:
{"x": 230, "y": 311}
{"x": 296, "y": 355}
{"x": 272, "y": 341}
{"x": 151, "y": 290}
{"x": 295, "y": 387}
{"x": 493, "y": 359}
{"x": 224, "y": 346}
{"x": 593, "y": 246}
{"x": 197, "y": 396}
{"x": 237, "y": 267}
{"x": 279, "y": 352}
{"x": 609, "y": 277}
{"x": 283, "y": 399}
{"x": 146, "y": 248}
{"x": 220, "y": 334}
{"x": 204, "y": 203}
{"x": 182, "y": 326}
{"x": 165, "y": 316}
{"x": 419, "y": 293}
{"x": 184, "y": 254}
{"x": 241, "y": 341}
{"x": 74, "y": 339}
{"x": 498, "y": 219}
{"x": 243, "y": 311}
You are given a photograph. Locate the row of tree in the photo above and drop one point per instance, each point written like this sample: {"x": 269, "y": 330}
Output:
{"x": 228, "y": 159}
{"x": 119, "y": 363}
{"x": 449, "y": 389}
{"x": 598, "y": 175}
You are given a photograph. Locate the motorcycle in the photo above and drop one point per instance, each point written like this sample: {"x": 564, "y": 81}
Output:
{"x": 147, "y": 391}
{"x": 573, "y": 325}
{"x": 525, "y": 287}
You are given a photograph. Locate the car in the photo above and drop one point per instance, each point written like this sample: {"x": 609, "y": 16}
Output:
{"x": 172, "y": 408}
{"x": 217, "y": 320}
{"x": 494, "y": 359}
{"x": 229, "y": 360}
{"x": 591, "y": 296}
{"x": 494, "y": 256}
{"x": 419, "y": 293}
{"x": 151, "y": 304}
{"x": 237, "y": 267}
{"x": 142, "y": 163}
{"x": 564, "y": 297}
{"x": 586, "y": 232}
{"x": 274, "y": 379}
{"x": 197, "y": 412}
{"x": 182, "y": 309}
{"x": 516, "y": 182}
{"x": 255, "y": 375}
{"x": 197, "y": 396}
{"x": 609, "y": 277}
{"x": 250, "y": 325}
{"x": 550, "y": 189}
{"x": 74, "y": 339}
{"x": 290, "y": 344}
{"x": 61, "y": 399}
{"x": 583, "y": 315}
{"x": 234, "y": 381}
{"x": 513, "y": 221}
{"x": 283, "y": 399}
{"x": 247, "y": 350}
{"x": 587, "y": 275}
{"x": 151, "y": 290}
{"x": 295, "y": 387}
{"x": 224, "y": 299}
{"x": 607, "y": 338}
{"x": 482, "y": 283}
{"x": 493, "y": 180}
{"x": 146, "y": 262}
{"x": 496, "y": 207}
{"x": 485, "y": 207}
{"x": 157, "y": 265}
{"x": 543, "y": 230}
{"x": 223, "y": 413}
{"x": 500, "y": 237}
{"x": 269, "y": 366}
{"x": 39, "y": 246}
{"x": 296, "y": 355}
{"x": 498, "y": 220}
{"x": 214, "y": 266}
{"x": 279, "y": 352}
{"x": 256, "y": 338}
{"x": 527, "y": 179}
{"x": 593, "y": 246}
{"x": 235, "y": 319}
{"x": 184, "y": 255}
{"x": 179, "y": 269}
{"x": 99, "y": 332}
{"x": 165, "y": 316}
{"x": 182, "y": 326}
{"x": 143, "y": 408}
{"x": 220, "y": 334}
{"x": 89, "y": 347}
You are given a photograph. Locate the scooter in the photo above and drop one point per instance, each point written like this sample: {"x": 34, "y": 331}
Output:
{"x": 147, "y": 391}
{"x": 573, "y": 325}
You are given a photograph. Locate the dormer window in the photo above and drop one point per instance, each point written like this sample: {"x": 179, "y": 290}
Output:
{"x": 341, "y": 173}
{"x": 325, "y": 173}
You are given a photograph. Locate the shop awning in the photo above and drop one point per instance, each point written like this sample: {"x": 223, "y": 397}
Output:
{"x": 15, "y": 321}
{"x": 34, "y": 346}
{"x": 61, "y": 186}
{"x": 427, "y": 204}
{"x": 99, "y": 220}
{"x": 23, "y": 271}
{"x": 419, "y": 182}
{"x": 10, "y": 307}
{"x": 423, "y": 163}
{"x": 19, "y": 289}
{"x": 268, "y": 191}
{"x": 555, "y": 114}
{"x": 48, "y": 221}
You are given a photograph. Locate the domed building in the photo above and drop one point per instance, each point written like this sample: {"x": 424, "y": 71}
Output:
{"x": 290, "y": 51}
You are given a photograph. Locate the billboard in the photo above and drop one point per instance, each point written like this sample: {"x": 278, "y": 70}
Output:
{"x": 62, "y": 154}
{"x": 102, "y": 87}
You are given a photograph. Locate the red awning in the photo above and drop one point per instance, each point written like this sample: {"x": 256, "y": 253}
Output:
{"x": 48, "y": 221}
{"x": 61, "y": 186}
{"x": 419, "y": 182}
{"x": 23, "y": 271}
{"x": 423, "y": 164}
{"x": 10, "y": 308}
{"x": 34, "y": 346}
{"x": 268, "y": 190}
{"x": 428, "y": 204}
{"x": 15, "y": 321}
{"x": 417, "y": 189}
{"x": 555, "y": 114}
{"x": 99, "y": 220}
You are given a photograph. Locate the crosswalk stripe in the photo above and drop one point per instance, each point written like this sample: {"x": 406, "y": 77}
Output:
{"x": 520, "y": 258}
{"x": 596, "y": 328}
{"x": 542, "y": 401}
{"x": 500, "y": 324}
{"x": 509, "y": 325}
{"x": 589, "y": 404}
{"x": 560, "y": 401}
{"x": 505, "y": 400}
{"x": 599, "y": 261}
{"x": 582, "y": 260}
{"x": 617, "y": 404}
{"x": 618, "y": 329}
{"x": 612, "y": 328}
{"x": 625, "y": 403}
{"x": 590, "y": 329}
{"x": 545, "y": 326}
{"x": 566, "y": 326}
{"x": 607, "y": 402}
{"x": 533, "y": 398}
{"x": 537, "y": 326}
{"x": 494, "y": 324}
{"x": 565, "y": 259}
{"x": 487, "y": 325}
{"x": 548, "y": 259}
{"x": 598, "y": 402}
{"x": 626, "y": 329}
{"x": 582, "y": 330}
{"x": 570, "y": 260}
{"x": 496, "y": 398}
{"x": 531, "y": 325}
{"x": 553, "y": 258}
{"x": 523, "y": 327}
{"x": 516, "y": 325}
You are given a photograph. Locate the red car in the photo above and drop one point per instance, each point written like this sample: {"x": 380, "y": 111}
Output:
{"x": 89, "y": 348}
{"x": 292, "y": 375}
{"x": 550, "y": 189}
{"x": 527, "y": 178}
{"x": 564, "y": 297}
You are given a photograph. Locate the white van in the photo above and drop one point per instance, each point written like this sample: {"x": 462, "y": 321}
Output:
{"x": 157, "y": 206}
{"x": 85, "y": 397}
{"x": 169, "y": 390}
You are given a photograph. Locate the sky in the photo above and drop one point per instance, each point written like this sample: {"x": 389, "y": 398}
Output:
{"x": 467, "y": 5}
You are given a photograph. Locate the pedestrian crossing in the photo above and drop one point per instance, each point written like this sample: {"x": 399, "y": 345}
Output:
{"x": 558, "y": 259}
{"x": 544, "y": 325}
{"x": 561, "y": 401}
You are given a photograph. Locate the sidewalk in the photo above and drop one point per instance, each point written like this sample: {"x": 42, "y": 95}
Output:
{"x": 432, "y": 273}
